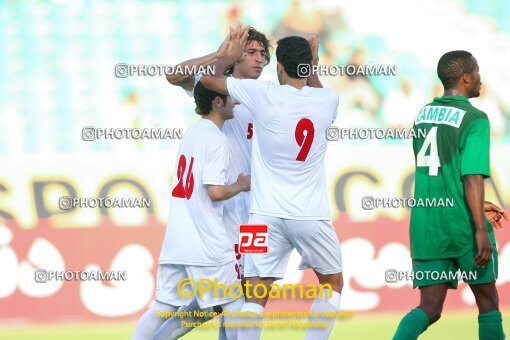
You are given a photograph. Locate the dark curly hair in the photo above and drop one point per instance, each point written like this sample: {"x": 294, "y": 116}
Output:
{"x": 204, "y": 98}
{"x": 453, "y": 65}
{"x": 254, "y": 35}
{"x": 291, "y": 52}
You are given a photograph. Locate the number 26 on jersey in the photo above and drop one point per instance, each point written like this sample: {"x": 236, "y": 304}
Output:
{"x": 184, "y": 188}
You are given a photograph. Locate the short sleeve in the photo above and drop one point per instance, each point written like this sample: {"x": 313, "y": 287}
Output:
{"x": 198, "y": 76}
{"x": 476, "y": 153}
{"x": 216, "y": 163}
{"x": 247, "y": 92}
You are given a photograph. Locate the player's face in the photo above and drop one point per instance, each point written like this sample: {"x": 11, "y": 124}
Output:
{"x": 476, "y": 82}
{"x": 227, "y": 109}
{"x": 252, "y": 63}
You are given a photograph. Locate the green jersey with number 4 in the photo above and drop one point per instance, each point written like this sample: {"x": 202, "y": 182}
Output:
{"x": 456, "y": 143}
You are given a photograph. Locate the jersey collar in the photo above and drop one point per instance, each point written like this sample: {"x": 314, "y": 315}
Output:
{"x": 449, "y": 99}
{"x": 210, "y": 123}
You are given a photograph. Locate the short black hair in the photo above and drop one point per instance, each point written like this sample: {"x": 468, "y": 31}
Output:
{"x": 204, "y": 99}
{"x": 291, "y": 52}
{"x": 453, "y": 65}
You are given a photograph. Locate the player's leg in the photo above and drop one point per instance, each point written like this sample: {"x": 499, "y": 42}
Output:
{"x": 151, "y": 320}
{"x": 208, "y": 296}
{"x": 175, "y": 327}
{"x": 260, "y": 270}
{"x": 222, "y": 334}
{"x": 166, "y": 304}
{"x": 432, "y": 295}
{"x": 490, "y": 321}
{"x": 429, "y": 311}
{"x": 317, "y": 243}
{"x": 230, "y": 315}
{"x": 483, "y": 286}
{"x": 326, "y": 304}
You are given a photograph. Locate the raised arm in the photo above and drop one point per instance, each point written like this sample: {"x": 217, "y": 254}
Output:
{"x": 313, "y": 79}
{"x": 234, "y": 52}
{"x": 187, "y": 81}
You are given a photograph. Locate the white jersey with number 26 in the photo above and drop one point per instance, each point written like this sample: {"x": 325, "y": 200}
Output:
{"x": 289, "y": 144}
{"x": 196, "y": 233}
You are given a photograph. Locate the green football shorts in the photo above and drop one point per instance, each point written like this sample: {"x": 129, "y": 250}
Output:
{"x": 450, "y": 271}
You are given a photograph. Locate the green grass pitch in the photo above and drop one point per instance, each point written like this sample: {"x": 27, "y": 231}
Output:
{"x": 453, "y": 325}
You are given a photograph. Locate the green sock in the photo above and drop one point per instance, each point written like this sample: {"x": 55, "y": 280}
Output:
{"x": 412, "y": 325}
{"x": 490, "y": 326}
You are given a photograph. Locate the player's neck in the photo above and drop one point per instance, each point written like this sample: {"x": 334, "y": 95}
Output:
{"x": 296, "y": 83}
{"x": 455, "y": 93}
{"x": 237, "y": 74}
{"x": 216, "y": 119}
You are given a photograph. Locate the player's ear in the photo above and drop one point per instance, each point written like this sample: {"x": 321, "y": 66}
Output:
{"x": 218, "y": 102}
{"x": 280, "y": 68}
{"x": 467, "y": 78}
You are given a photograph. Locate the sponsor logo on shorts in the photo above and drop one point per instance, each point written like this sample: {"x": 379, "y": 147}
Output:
{"x": 253, "y": 238}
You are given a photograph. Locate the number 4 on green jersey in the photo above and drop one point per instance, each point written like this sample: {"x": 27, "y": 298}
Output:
{"x": 432, "y": 160}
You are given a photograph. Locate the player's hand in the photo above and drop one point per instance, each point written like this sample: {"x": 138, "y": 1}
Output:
{"x": 222, "y": 50}
{"x": 314, "y": 44}
{"x": 237, "y": 44}
{"x": 494, "y": 214}
{"x": 484, "y": 248}
{"x": 244, "y": 182}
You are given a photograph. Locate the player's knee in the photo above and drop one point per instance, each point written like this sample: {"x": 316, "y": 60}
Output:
{"x": 488, "y": 304}
{"x": 434, "y": 317}
{"x": 335, "y": 281}
{"x": 432, "y": 309}
{"x": 486, "y": 297}
{"x": 254, "y": 292}
{"x": 433, "y": 314}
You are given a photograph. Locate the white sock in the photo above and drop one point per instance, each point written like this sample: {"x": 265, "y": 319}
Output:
{"x": 334, "y": 300}
{"x": 230, "y": 308}
{"x": 222, "y": 333}
{"x": 151, "y": 320}
{"x": 253, "y": 331}
{"x": 174, "y": 328}
{"x": 323, "y": 305}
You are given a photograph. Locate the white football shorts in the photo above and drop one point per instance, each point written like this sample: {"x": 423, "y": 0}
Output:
{"x": 177, "y": 284}
{"x": 316, "y": 242}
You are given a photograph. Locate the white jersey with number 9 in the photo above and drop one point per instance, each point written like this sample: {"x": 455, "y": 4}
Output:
{"x": 289, "y": 144}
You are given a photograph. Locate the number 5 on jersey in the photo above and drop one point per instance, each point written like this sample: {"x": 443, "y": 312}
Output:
{"x": 432, "y": 160}
{"x": 182, "y": 190}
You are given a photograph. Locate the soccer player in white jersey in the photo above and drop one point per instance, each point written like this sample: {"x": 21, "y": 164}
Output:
{"x": 239, "y": 130}
{"x": 194, "y": 246}
{"x": 288, "y": 176}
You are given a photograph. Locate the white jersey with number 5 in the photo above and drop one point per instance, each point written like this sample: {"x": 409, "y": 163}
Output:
{"x": 239, "y": 132}
{"x": 289, "y": 144}
{"x": 195, "y": 233}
